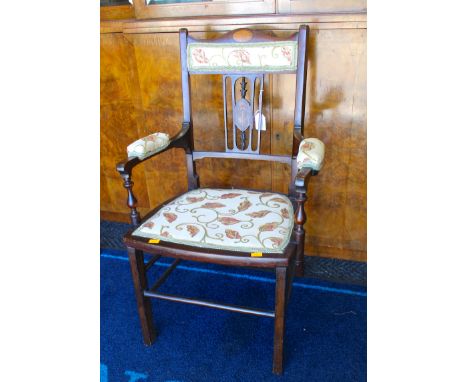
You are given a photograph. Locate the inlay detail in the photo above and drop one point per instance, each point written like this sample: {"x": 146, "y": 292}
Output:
{"x": 242, "y": 35}
{"x": 245, "y": 94}
{"x": 243, "y": 116}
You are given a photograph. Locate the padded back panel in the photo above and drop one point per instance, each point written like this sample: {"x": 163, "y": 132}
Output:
{"x": 242, "y": 57}
{"x": 255, "y": 57}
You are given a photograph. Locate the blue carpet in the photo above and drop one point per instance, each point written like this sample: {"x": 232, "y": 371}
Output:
{"x": 325, "y": 328}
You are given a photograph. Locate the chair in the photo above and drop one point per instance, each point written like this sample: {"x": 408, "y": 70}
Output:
{"x": 246, "y": 228}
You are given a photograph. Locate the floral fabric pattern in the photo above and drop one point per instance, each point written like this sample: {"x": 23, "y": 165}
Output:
{"x": 244, "y": 57}
{"x": 311, "y": 153}
{"x": 148, "y": 145}
{"x": 239, "y": 220}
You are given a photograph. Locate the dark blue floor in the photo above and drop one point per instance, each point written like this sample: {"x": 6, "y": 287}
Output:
{"x": 325, "y": 328}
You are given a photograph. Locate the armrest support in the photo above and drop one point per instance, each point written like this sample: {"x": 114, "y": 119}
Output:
{"x": 309, "y": 154}
{"x": 302, "y": 179}
{"x": 125, "y": 167}
{"x": 309, "y": 157}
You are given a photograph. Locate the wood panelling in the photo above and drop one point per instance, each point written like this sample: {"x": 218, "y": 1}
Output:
{"x": 120, "y": 121}
{"x": 117, "y": 12}
{"x": 157, "y": 61}
{"x": 335, "y": 113}
{"x": 225, "y": 23}
{"x": 202, "y": 8}
{"x": 310, "y": 6}
{"x": 140, "y": 94}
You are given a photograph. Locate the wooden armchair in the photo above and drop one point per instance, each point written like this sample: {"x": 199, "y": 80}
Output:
{"x": 235, "y": 227}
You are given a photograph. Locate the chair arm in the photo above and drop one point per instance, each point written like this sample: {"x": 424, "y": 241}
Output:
{"x": 311, "y": 154}
{"x": 302, "y": 178}
{"x": 180, "y": 140}
{"x": 125, "y": 166}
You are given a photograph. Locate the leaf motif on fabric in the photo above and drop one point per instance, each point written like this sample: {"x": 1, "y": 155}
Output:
{"x": 228, "y": 220}
{"x": 170, "y": 217}
{"x": 165, "y": 234}
{"x": 285, "y": 213}
{"x": 232, "y": 234}
{"x": 286, "y": 52}
{"x": 242, "y": 56}
{"x": 244, "y": 205}
{"x": 193, "y": 230}
{"x": 278, "y": 200}
{"x": 230, "y": 195}
{"x": 276, "y": 241}
{"x": 148, "y": 225}
{"x": 265, "y": 194}
{"x": 259, "y": 214}
{"x": 193, "y": 199}
{"x": 200, "y": 56}
{"x": 268, "y": 227}
{"x": 307, "y": 146}
{"x": 212, "y": 205}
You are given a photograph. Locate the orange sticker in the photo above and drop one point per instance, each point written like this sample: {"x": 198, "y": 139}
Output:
{"x": 153, "y": 241}
{"x": 256, "y": 254}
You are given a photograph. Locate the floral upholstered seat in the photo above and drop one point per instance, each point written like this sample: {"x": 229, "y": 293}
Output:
{"x": 239, "y": 220}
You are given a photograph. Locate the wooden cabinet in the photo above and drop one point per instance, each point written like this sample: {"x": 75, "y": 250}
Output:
{"x": 117, "y": 10}
{"x": 156, "y": 9}
{"x": 140, "y": 94}
{"x": 315, "y": 6}
{"x": 153, "y": 9}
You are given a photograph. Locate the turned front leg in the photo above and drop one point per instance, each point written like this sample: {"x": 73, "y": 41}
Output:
{"x": 299, "y": 232}
{"x": 131, "y": 199}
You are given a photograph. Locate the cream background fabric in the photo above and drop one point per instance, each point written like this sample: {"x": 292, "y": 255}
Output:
{"x": 238, "y": 220}
{"x": 245, "y": 57}
{"x": 311, "y": 154}
{"x": 148, "y": 145}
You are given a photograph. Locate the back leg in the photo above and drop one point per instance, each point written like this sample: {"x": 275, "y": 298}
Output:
{"x": 280, "y": 304}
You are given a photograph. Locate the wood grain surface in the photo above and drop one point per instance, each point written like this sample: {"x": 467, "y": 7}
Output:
{"x": 141, "y": 94}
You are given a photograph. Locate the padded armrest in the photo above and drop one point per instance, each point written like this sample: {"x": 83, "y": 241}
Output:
{"x": 125, "y": 166}
{"x": 148, "y": 145}
{"x": 311, "y": 153}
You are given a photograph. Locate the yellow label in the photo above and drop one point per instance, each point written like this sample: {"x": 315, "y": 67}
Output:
{"x": 153, "y": 241}
{"x": 256, "y": 254}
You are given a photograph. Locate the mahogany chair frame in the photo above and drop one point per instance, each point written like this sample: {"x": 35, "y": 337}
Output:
{"x": 286, "y": 264}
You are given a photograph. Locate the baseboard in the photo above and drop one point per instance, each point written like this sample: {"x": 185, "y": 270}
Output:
{"x": 338, "y": 253}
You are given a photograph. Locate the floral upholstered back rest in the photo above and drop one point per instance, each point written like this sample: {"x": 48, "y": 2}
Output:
{"x": 242, "y": 57}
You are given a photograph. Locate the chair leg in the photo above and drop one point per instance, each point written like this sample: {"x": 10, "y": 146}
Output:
{"x": 280, "y": 305}
{"x": 299, "y": 221}
{"x": 300, "y": 234}
{"x": 140, "y": 283}
{"x": 290, "y": 273}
